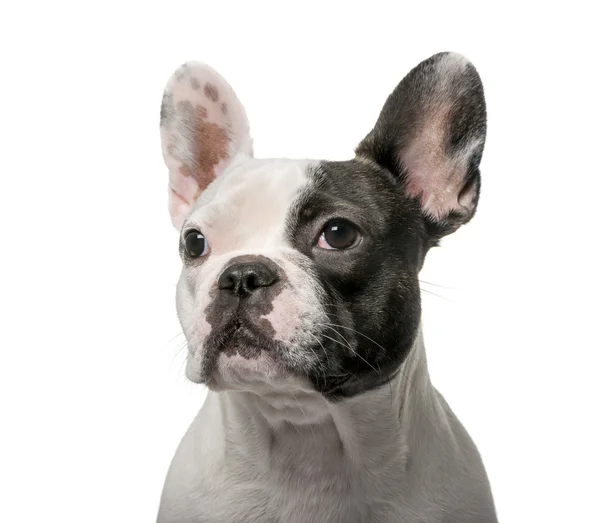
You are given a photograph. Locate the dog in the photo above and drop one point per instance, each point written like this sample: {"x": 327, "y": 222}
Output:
{"x": 299, "y": 299}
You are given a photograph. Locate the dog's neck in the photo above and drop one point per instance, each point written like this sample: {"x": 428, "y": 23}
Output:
{"x": 301, "y": 426}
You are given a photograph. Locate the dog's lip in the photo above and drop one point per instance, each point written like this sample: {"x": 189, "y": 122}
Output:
{"x": 240, "y": 327}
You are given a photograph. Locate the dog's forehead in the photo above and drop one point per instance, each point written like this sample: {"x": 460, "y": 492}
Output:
{"x": 250, "y": 201}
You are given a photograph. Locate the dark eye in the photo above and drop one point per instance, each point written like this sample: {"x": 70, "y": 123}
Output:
{"x": 338, "y": 235}
{"x": 196, "y": 244}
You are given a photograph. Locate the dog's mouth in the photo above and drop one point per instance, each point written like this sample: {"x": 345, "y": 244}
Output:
{"x": 237, "y": 338}
{"x": 242, "y": 336}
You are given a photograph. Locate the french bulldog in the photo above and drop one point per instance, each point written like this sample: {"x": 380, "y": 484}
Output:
{"x": 300, "y": 303}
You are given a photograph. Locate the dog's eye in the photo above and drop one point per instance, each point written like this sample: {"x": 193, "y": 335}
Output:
{"x": 338, "y": 235}
{"x": 196, "y": 244}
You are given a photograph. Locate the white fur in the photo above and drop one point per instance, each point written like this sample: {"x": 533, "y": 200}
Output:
{"x": 277, "y": 451}
{"x": 239, "y": 215}
{"x": 342, "y": 456}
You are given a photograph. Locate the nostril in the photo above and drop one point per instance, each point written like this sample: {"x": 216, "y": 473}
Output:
{"x": 251, "y": 281}
{"x": 226, "y": 282}
{"x": 246, "y": 278}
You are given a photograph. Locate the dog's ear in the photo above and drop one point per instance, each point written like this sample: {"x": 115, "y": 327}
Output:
{"x": 203, "y": 127}
{"x": 431, "y": 134}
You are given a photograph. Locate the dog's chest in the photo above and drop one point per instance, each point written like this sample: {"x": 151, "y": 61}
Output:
{"x": 292, "y": 480}
{"x": 299, "y": 496}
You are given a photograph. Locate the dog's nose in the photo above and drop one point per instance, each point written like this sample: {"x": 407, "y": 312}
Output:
{"x": 245, "y": 278}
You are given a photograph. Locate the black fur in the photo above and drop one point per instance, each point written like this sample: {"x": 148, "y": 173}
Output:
{"x": 405, "y": 112}
{"x": 372, "y": 289}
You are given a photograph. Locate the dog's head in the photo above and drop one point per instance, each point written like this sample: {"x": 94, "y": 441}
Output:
{"x": 309, "y": 269}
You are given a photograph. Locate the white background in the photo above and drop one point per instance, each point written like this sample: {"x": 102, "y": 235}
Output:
{"x": 93, "y": 396}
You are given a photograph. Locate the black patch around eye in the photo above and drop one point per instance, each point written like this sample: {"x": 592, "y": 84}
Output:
{"x": 340, "y": 234}
{"x": 195, "y": 243}
{"x": 371, "y": 293}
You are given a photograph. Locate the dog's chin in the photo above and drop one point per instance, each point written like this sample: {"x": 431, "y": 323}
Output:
{"x": 241, "y": 359}
{"x": 259, "y": 374}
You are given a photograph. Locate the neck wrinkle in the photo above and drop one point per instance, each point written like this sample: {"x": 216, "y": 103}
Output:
{"x": 379, "y": 420}
{"x": 382, "y": 417}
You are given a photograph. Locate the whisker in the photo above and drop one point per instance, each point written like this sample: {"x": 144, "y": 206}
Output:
{"x": 178, "y": 352}
{"x": 353, "y": 351}
{"x": 319, "y": 342}
{"x": 176, "y": 336}
{"x": 357, "y": 332}
{"x": 331, "y": 325}
{"x": 401, "y": 371}
{"x": 338, "y": 333}
{"x": 438, "y": 295}
{"x": 334, "y": 305}
{"x": 436, "y": 285}
{"x": 326, "y": 355}
{"x": 337, "y": 341}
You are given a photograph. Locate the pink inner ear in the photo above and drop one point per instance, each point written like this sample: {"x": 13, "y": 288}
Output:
{"x": 437, "y": 186}
{"x": 433, "y": 176}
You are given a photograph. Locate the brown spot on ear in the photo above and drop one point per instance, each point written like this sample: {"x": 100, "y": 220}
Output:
{"x": 224, "y": 109}
{"x": 215, "y": 144}
{"x": 201, "y": 112}
{"x": 210, "y": 146}
{"x": 185, "y": 171}
{"x": 211, "y": 92}
{"x": 195, "y": 83}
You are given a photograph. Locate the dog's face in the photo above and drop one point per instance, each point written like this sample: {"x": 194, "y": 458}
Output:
{"x": 307, "y": 271}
